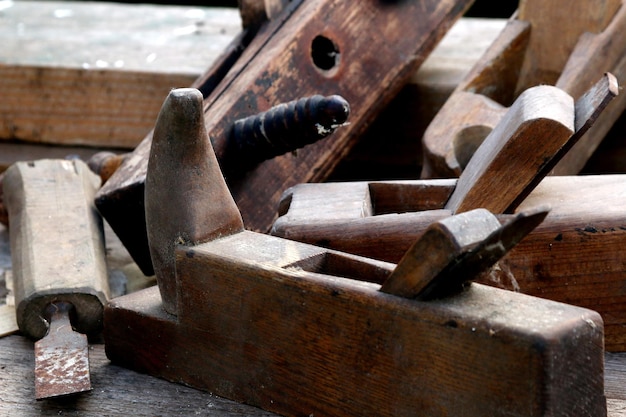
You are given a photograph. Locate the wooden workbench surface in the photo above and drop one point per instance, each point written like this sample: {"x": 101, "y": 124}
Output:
{"x": 96, "y": 73}
{"x": 118, "y": 391}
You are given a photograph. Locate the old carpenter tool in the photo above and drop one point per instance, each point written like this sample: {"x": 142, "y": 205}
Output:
{"x": 575, "y": 256}
{"x": 537, "y": 130}
{"x": 538, "y": 124}
{"x": 59, "y": 271}
{"x": 312, "y": 47}
{"x": 540, "y": 45}
{"x": 300, "y": 330}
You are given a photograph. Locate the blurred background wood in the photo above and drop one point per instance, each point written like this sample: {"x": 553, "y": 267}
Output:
{"x": 89, "y": 73}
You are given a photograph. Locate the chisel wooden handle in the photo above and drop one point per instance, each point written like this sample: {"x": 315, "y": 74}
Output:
{"x": 57, "y": 243}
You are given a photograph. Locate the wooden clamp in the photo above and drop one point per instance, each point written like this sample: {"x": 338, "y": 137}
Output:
{"x": 365, "y": 54}
{"x": 302, "y": 330}
{"x": 542, "y": 44}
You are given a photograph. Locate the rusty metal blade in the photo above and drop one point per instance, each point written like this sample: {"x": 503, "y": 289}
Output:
{"x": 61, "y": 358}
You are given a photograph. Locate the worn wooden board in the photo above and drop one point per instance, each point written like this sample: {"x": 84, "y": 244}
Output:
{"x": 95, "y": 73}
{"x": 117, "y": 391}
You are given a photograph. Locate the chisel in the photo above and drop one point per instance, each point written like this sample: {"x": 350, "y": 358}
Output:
{"x": 59, "y": 268}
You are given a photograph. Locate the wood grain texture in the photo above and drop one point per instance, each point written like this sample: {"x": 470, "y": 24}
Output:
{"x": 117, "y": 391}
{"x": 8, "y": 321}
{"x": 536, "y": 126}
{"x": 555, "y": 33}
{"x": 328, "y": 345}
{"x": 279, "y": 65}
{"x": 574, "y": 256}
{"x": 595, "y": 53}
{"x": 57, "y": 242}
{"x": 588, "y": 109}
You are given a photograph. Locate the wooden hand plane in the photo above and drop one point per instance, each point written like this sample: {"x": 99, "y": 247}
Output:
{"x": 364, "y": 53}
{"x": 541, "y": 44}
{"x": 575, "y": 256}
{"x": 302, "y": 330}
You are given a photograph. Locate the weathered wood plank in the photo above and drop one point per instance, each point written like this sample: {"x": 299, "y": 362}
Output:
{"x": 96, "y": 73}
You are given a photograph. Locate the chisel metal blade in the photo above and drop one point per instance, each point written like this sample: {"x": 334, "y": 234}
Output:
{"x": 61, "y": 357}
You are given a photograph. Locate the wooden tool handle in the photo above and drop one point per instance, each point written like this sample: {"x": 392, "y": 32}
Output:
{"x": 186, "y": 198}
{"x": 536, "y": 126}
{"x": 57, "y": 243}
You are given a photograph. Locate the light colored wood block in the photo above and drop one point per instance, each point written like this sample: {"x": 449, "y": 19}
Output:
{"x": 95, "y": 73}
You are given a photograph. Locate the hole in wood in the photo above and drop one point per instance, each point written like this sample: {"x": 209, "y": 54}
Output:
{"x": 333, "y": 264}
{"x": 325, "y": 53}
{"x": 387, "y": 198}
